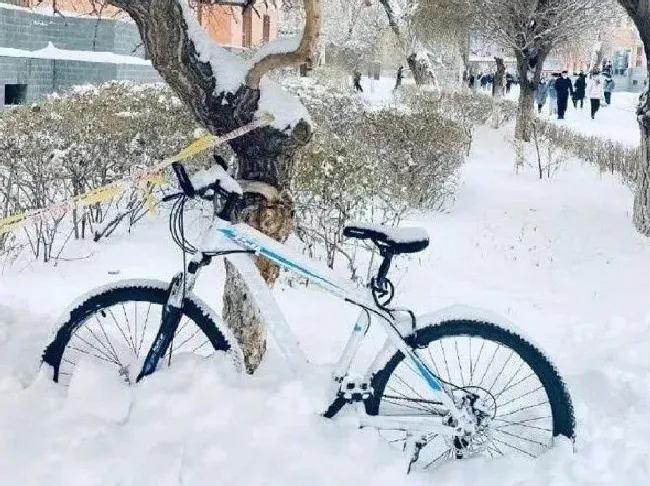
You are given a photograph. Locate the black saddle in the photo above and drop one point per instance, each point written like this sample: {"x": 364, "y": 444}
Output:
{"x": 393, "y": 239}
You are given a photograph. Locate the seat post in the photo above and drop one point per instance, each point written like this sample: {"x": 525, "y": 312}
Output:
{"x": 384, "y": 267}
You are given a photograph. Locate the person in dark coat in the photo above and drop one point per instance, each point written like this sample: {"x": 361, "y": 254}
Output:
{"x": 472, "y": 81}
{"x": 579, "y": 90}
{"x": 356, "y": 79}
{"x": 508, "y": 82}
{"x": 564, "y": 87}
{"x": 400, "y": 76}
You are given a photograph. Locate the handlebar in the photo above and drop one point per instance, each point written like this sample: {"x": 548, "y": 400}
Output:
{"x": 209, "y": 191}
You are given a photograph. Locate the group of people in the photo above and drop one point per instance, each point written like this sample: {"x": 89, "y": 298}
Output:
{"x": 597, "y": 88}
{"x": 487, "y": 81}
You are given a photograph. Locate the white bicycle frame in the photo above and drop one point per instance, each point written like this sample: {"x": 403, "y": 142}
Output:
{"x": 224, "y": 236}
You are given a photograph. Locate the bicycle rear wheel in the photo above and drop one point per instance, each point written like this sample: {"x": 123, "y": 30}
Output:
{"x": 523, "y": 402}
{"x": 116, "y": 325}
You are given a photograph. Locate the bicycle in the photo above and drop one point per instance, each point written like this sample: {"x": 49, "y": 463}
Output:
{"x": 434, "y": 408}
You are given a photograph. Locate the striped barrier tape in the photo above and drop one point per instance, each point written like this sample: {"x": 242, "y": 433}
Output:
{"x": 150, "y": 175}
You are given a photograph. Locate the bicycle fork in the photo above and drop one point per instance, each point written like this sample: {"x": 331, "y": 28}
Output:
{"x": 181, "y": 284}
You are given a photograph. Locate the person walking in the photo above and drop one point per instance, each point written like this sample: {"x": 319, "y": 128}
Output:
{"x": 563, "y": 87}
{"x": 579, "y": 89}
{"x": 595, "y": 91}
{"x": 356, "y": 79}
{"x": 541, "y": 94}
{"x": 552, "y": 94}
{"x": 608, "y": 88}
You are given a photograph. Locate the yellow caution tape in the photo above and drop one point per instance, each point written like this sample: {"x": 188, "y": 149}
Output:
{"x": 150, "y": 176}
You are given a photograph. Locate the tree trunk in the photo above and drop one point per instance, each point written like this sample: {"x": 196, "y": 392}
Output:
{"x": 529, "y": 79}
{"x": 642, "y": 194}
{"x": 265, "y": 156}
{"x": 498, "y": 88}
{"x": 420, "y": 68}
{"x": 638, "y": 12}
{"x": 530, "y": 71}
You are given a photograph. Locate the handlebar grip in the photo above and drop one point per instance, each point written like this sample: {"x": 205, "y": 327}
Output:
{"x": 183, "y": 179}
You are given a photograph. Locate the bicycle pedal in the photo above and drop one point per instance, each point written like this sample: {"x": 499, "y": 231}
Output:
{"x": 353, "y": 390}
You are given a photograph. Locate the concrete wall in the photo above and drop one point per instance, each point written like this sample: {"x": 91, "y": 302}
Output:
{"x": 43, "y": 76}
{"x": 22, "y": 29}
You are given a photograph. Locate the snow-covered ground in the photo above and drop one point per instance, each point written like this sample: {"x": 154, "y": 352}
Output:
{"x": 616, "y": 121}
{"x": 559, "y": 257}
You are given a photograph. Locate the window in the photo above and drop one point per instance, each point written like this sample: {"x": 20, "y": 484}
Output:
{"x": 639, "y": 56}
{"x": 247, "y": 28}
{"x": 266, "y": 28}
{"x": 15, "y": 94}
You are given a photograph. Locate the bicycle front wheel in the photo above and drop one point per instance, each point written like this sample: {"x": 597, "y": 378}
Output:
{"x": 116, "y": 325}
{"x": 521, "y": 402}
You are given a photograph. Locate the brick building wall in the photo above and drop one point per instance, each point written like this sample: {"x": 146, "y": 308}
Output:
{"x": 32, "y": 29}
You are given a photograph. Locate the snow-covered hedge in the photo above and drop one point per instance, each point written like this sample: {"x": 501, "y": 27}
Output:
{"x": 607, "y": 155}
{"x": 70, "y": 144}
{"x": 368, "y": 164}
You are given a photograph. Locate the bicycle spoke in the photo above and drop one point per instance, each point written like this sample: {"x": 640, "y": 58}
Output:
{"x": 540, "y": 387}
{"x": 189, "y": 338}
{"x": 496, "y": 350}
{"x": 505, "y": 387}
{"x": 105, "y": 358}
{"x": 516, "y": 384}
{"x": 109, "y": 349}
{"x": 135, "y": 332}
{"x": 514, "y": 447}
{"x": 200, "y": 346}
{"x": 512, "y": 353}
{"x": 146, "y": 319}
{"x": 522, "y": 408}
{"x": 128, "y": 325}
{"x": 126, "y": 339}
{"x": 444, "y": 357}
{"x": 101, "y": 326}
{"x": 471, "y": 369}
{"x": 478, "y": 358}
{"x": 460, "y": 366}
{"x": 519, "y": 424}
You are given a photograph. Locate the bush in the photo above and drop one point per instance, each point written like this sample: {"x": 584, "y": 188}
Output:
{"x": 71, "y": 144}
{"x": 372, "y": 165}
{"x": 607, "y": 155}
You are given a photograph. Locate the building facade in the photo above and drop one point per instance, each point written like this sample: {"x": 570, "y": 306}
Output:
{"x": 50, "y": 47}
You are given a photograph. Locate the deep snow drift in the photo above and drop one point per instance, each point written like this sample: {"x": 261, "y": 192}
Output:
{"x": 559, "y": 257}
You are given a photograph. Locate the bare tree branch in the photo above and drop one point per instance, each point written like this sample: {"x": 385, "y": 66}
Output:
{"x": 302, "y": 53}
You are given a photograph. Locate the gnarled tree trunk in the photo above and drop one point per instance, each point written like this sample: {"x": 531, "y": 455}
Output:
{"x": 265, "y": 156}
{"x": 420, "y": 68}
{"x": 639, "y": 12}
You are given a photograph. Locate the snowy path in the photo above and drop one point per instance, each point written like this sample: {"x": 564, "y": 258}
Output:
{"x": 616, "y": 121}
{"x": 558, "y": 257}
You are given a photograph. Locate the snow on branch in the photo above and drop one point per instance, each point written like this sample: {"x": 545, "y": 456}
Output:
{"x": 533, "y": 28}
{"x": 277, "y": 59}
